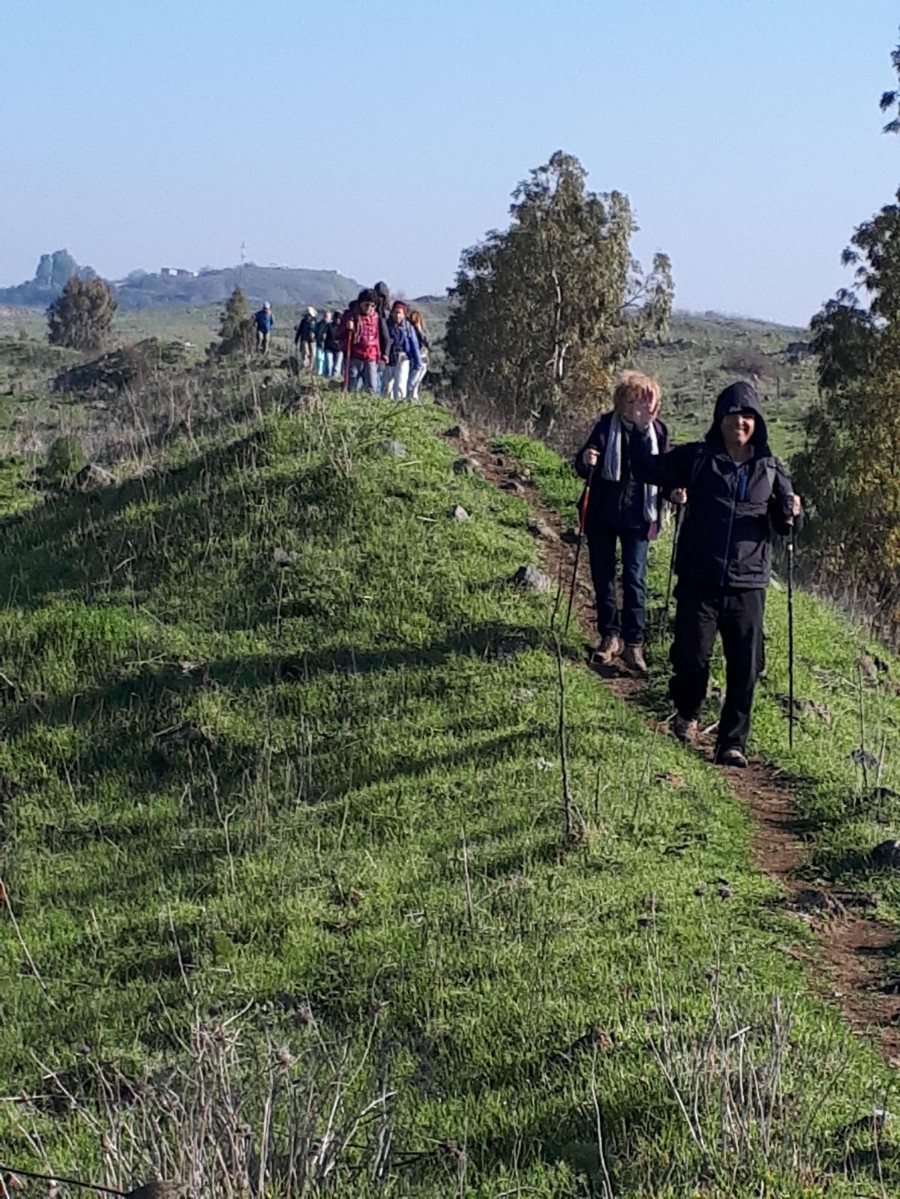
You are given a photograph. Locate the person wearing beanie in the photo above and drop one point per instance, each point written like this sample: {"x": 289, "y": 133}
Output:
{"x": 402, "y": 354}
{"x": 739, "y": 497}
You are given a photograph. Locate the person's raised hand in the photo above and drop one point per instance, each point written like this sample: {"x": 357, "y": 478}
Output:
{"x": 643, "y": 409}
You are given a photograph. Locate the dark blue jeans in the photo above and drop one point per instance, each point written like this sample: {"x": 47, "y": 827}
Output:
{"x": 602, "y": 544}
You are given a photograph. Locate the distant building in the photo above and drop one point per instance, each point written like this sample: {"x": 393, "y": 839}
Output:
{"x": 177, "y": 272}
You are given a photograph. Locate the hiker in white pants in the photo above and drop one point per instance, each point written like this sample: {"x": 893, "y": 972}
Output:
{"x": 403, "y": 353}
{"x": 415, "y": 379}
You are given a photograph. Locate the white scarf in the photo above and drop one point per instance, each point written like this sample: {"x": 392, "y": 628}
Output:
{"x": 612, "y": 464}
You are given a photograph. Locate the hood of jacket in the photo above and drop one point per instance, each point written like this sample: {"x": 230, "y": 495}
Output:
{"x": 739, "y": 397}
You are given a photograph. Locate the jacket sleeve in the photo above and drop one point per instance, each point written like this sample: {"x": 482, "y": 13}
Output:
{"x": 414, "y": 355}
{"x": 780, "y": 505}
{"x": 384, "y": 337}
{"x": 669, "y": 470}
{"x": 597, "y": 441}
{"x": 663, "y": 446}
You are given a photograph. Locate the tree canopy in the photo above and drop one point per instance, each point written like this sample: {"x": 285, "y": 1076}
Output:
{"x": 82, "y": 316}
{"x": 236, "y": 328}
{"x": 850, "y": 465}
{"x": 544, "y": 310}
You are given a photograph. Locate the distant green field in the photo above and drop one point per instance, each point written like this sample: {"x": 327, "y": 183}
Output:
{"x": 691, "y": 365}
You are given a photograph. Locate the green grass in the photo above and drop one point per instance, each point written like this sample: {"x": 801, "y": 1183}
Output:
{"x": 233, "y": 787}
{"x": 691, "y": 366}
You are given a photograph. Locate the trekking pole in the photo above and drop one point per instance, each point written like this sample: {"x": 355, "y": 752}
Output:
{"x": 581, "y": 523}
{"x": 790, "y": 574}
{"x": 679, "y": 513}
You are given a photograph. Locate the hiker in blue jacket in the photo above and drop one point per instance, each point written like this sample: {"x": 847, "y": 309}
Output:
{"x": 403, "y": 351}
{"x": 739, "y": 497}
{"x": 265, "y": 323}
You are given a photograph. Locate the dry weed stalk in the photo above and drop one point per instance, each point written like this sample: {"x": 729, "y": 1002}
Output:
{"x": 238, "y": 1115}
{"x": 728, "y": 1082}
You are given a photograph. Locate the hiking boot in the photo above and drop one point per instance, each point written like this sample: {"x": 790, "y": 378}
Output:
{"x": 633, "y": 657}
{"x": 684, "y": 730}
{"x": 731, "y": 757}
{"x": 610, "y": 646}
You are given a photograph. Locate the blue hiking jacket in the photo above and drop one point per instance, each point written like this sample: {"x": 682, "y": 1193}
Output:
{"x": 404, "y": 341}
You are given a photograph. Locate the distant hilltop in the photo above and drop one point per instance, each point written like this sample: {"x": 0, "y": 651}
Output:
{"x": 175, "y": 285}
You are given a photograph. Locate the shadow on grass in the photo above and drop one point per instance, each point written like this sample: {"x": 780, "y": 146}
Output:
{"x": 150, "y": 687}
{"x": 76, "y": 543}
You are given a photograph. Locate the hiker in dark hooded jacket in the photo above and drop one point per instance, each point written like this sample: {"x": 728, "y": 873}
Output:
{"x": 334, "y": 349}
{"x": 739, "y": 497}
{"x": 383, "y": 308}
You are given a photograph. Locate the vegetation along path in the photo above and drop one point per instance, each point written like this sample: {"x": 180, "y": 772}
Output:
{"x": 852, "y": 947}
{"x": 287, "y": 889}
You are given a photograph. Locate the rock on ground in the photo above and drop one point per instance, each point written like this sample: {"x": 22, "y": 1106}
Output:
{"x": 397, "y": 448}
{"x": 532, "y": 579}
{"x": 466, "y": 466}
{"x": 886, "y": 856}
{"x": 457, "y": 432}
{"x": 93, "y": 477}
{"x": 540, "y": 528}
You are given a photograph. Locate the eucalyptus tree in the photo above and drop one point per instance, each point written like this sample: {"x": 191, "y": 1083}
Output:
{"x": 544, "y": 310}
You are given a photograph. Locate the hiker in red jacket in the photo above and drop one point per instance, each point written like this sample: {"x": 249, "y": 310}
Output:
{"x": 369, "y": 343}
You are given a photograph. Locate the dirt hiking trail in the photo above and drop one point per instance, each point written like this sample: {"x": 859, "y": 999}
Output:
{"x": 848, "y": 956}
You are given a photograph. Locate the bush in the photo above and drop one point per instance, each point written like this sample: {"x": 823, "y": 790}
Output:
{"x": 82, "y": 316}
{"x": 236, "y": 330}
{"x": 65, "y": 458}
{"x": 748, "y": 360}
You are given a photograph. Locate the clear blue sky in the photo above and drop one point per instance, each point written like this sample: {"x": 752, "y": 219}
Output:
{"x": 381, "y": 138}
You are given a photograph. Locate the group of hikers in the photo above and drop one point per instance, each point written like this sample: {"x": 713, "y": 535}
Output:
{"x": 374, "y": 345}
{"x": 736, "y": 498}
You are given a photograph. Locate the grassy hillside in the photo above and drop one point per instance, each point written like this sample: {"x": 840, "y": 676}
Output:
{"x": 698, "y": 358}
{"x": 280, "y": 793}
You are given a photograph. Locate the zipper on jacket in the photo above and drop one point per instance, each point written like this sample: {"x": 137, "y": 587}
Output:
{"x": 730, "y": 529}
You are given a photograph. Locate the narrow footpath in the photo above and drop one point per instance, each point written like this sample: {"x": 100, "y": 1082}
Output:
{"x": 848, "y": 955}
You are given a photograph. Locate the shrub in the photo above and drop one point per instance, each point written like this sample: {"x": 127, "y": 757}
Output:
{"x": 82, "y": 316}
{"x": 65, "y": 458}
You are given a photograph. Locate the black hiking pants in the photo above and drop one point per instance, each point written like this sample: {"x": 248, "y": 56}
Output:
{"x": 737, "y": 615}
